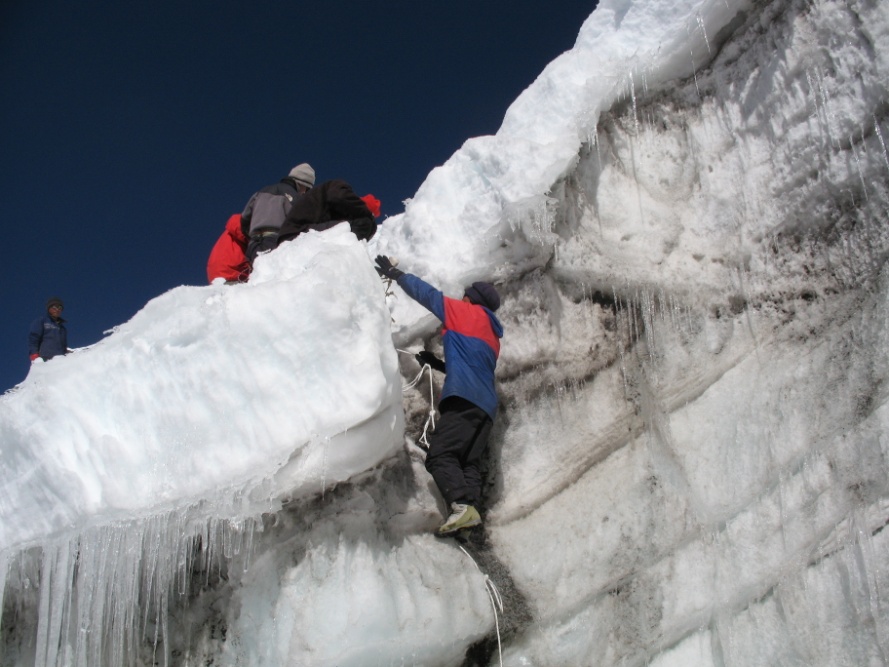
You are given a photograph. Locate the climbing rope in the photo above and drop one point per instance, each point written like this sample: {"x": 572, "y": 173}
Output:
{"x": 389, "y": 291}
{"x": 430, "y": 420}
{"x": 496, "y": 602}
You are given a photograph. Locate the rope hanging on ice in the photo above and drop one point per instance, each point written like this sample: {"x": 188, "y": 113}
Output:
{"x": 389, "y": 281}
{"x": 496, "y": 602}
{"x": 389, "y": 291}
{"x": 430, "y": 420}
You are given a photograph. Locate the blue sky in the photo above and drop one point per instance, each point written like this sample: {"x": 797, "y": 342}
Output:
{"x": 131, "y": 131}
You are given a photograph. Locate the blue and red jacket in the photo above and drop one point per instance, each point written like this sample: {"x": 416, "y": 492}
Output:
{"x": 471, "y": 338}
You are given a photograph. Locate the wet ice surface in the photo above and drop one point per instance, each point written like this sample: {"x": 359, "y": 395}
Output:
{"x": 687, "y": 217}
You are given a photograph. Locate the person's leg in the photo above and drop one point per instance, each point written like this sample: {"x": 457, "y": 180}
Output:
{"x": 471, "y": 464}
{"x": 453, "y": 461}
{"x": 260, "y": 243}
{"x": 455, "y": 449}
{"x": 443, "y": 461}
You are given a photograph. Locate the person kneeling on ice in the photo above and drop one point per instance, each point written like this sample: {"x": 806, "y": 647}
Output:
{"x": 228, "y": 258}
{"x": 326, "y": 206}
{"x": 267, "y": 209}
{"x": 471, "y": 339}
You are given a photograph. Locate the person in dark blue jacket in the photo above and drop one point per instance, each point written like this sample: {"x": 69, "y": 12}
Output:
{"x": 48, "y": 337}
{"x": 468, "y": 405}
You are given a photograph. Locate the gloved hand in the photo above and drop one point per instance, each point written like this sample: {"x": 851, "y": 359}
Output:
{"x": 35, "y": 357}
{"x": 385, "y": 268}
{"x": 426, "y": 357}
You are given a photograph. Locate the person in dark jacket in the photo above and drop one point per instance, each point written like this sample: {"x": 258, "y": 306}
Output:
{"x": 266, "y": 211}
{"x": 48, "y": 337}
{"x": 468, "y": 405}
{"x": 325, "y": 206}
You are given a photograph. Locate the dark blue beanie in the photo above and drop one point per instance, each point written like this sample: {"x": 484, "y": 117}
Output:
{"x": 484, "y": 294}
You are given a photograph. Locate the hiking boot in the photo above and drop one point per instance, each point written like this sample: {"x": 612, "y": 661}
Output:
{"x": 462, "y": 516}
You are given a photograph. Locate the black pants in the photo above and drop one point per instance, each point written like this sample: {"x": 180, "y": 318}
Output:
{"x": 456, "y": 448}
{"x": 261, "y": 243}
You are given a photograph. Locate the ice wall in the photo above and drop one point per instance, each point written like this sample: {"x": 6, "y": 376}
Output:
{"x": 717, "y": 296}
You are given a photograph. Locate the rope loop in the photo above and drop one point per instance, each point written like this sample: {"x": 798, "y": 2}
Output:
{"x": 423, "y": 442}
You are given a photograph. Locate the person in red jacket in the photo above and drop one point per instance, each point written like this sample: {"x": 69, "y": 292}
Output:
{"x": 228, "y": 258}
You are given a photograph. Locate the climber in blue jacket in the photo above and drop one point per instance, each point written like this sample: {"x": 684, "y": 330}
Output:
{"x": 468, "y": 405}
{"x": 48, "y": 337}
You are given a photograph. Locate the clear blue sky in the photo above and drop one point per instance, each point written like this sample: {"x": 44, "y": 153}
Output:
{"x": 131, "y": 131}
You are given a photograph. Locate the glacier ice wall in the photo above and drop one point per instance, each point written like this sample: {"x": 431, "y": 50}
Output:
{"x": 710, "y": 330}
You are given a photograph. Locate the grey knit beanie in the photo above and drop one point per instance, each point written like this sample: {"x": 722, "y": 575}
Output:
{"x": 303, "y": 173}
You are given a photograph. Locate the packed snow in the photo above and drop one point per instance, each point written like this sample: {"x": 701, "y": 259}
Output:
{"x": 686, "y": 216}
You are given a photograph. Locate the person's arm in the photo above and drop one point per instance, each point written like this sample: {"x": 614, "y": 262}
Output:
{"x": 428, "y": 358}
{"x": 35, "y": 337}
{"x": 419, "y": 290}
{"x": 424, "y": 294}
{"x": 363, "y": 228}
{"x": 344, "y": 204}
{"x": 247, "y": 217}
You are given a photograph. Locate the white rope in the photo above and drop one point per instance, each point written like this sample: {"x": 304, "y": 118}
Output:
{"x": 389, "y": 291}
{"x": 496, "y": 602}
{"x": 430, "y": 420}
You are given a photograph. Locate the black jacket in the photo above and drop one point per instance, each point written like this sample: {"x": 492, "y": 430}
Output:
{"x": 327, "y": 205}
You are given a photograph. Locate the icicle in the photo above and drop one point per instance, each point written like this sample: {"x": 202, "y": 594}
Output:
{"x": 704, "y": 33}
{"x": 4, "y": 569}
{"x": 101, "y": 593}
{"x": 620, "y": 318}
{"x": 694, "y": 69}
{"x": 226, "y": 541}
{"x": 825, "y": 103}
{"x": 858, "y": 164}
{"x": 250, "y": 530}
{"x": 882, "y": 143}
{"x": 58, "y": 566}
{"x": 237, "y": 538}
{"x": 181, "y": 570}
{"x": 635, "y": 113}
